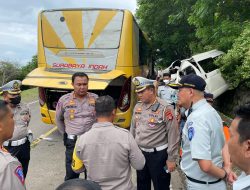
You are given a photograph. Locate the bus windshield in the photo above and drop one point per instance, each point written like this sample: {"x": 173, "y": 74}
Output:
{"x": 93, "y": 29}
{"x": 81, "y": 40}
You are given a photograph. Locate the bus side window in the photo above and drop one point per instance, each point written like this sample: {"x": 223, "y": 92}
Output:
{"x": 144, "y": 50}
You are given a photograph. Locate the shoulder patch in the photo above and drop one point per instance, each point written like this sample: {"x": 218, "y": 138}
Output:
{"x": 19, "y": 174}
{"x": 190, "y": 133}
{"x": 169, "y": 114}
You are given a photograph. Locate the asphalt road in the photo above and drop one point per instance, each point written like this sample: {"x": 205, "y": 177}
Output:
{"x": 46, "y": 170}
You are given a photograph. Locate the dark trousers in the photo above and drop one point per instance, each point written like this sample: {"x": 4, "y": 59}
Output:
{"x": 22, "y": 153}
{"x": 153, "y": 170}
{"x": 70, "y": 145}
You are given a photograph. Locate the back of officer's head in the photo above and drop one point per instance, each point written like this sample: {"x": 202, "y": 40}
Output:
{"x": 104, "y": 106}
{"x": 79, "y": 184}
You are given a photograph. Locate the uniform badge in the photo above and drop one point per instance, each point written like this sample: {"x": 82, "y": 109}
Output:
{"x": 190, "y": 133}
{"x": 136, "y": 82}
{"x": 71, "y": 102}
{"x": 151, "y": 122}
{"x": 138, "y": 111}
{"x": 19, "y": 174}
{"x": 91, "y": 101}
{"x": 72, "y": 111}
{"x": 71, "y": 116}
{"x": 16, "y": 85}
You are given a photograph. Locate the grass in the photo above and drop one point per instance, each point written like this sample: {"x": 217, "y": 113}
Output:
{"x": 29, "y": 95}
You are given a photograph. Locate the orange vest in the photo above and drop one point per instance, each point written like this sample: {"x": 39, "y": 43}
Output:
{"x": 226, "y": 132}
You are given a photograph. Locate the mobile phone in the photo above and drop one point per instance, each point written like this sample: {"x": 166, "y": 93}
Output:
{"x": 166, "y": 169}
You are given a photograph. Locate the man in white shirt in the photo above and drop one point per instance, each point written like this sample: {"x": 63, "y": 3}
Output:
{"x": 239, "y": 146}
{"x": 165, "y": 92}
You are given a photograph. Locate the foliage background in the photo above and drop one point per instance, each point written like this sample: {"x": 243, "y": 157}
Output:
{"x": 181, "y": 28}
{"x": 13, "y": 71}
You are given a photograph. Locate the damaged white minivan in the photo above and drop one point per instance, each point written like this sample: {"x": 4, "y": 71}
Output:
{"x": 203, "y": 65}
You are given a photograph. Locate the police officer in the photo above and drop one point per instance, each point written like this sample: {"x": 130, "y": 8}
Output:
{"x": 239, "y": 146}
{"x": 75, "y": 114}
{"x": 19, "y": 144}
{"x": 155, "y": 129}
{"x": 11, "y": 173}
{"x": 107, "y": 151}
{"x": 202, "y": 137}
{"x": 165, "y": 92}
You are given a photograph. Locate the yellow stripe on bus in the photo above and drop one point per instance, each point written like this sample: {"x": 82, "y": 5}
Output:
{"x": 74, "y": 22}
{"x": 102, "y": 20}
{"x": 50, "y": 37}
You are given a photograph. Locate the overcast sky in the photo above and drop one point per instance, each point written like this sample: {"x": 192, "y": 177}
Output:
{"x": 18, "y": 23}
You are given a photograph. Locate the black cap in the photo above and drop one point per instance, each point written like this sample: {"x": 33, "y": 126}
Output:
{"x": 190, "y": 81}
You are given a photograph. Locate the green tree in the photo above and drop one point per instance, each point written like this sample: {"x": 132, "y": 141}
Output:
{"x": 235, "y": 65}
{"x": 170, "y": 40}
{"x": 29, "y": 67}
{"x": 8, "y": 71}
{"x": 218, "y": 23}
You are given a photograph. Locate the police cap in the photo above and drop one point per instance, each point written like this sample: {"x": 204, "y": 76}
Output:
{"x": 141, "y": 83}
{"x": 190, "y": 81}
{"x": 12, "y": 87}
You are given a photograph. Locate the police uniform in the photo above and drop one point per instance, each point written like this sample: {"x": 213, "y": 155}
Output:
{"x": 157, "y": 136}
{"x": 73, "y": 118}
{"x": 243, "y": 182}
{"x": 11, "y": 173}
{"x": 107, "y": 152}
{"x": 202, "y": 139}
{"x": 19, "y": 144}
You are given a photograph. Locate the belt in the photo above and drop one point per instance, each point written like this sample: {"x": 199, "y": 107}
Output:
{"x": 202, "y": 182}
{"x": 159, "y": 148}
{"x": 72, "y": 137}
{"x": 15, "y": 143}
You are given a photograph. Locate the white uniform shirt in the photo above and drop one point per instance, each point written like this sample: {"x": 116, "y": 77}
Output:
{"x": 202, "y": 139}
{"x": 243, "y": 182}
{"x": 167, "y": 93}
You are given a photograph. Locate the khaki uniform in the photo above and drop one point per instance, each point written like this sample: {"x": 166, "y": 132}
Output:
{"x": 156, "y": 132}
{"x": 19, "y": 144}
{"x": 152, "y": 129}
{"x": 73, "y": 116}
{"x": 11, "y": 174}
{"x": 22, "y": 118}
{"x": 107, "y": 152}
